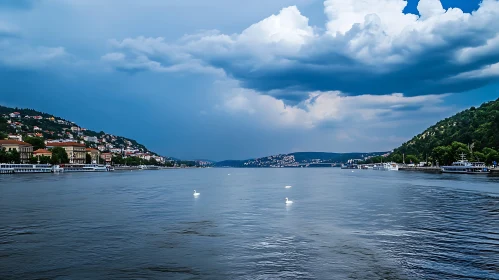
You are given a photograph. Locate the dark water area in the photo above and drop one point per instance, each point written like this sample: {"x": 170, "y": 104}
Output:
{"x": 342, "y": 225}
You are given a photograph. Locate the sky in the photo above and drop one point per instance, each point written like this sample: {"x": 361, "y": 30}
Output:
{"x": 224, "y": 79}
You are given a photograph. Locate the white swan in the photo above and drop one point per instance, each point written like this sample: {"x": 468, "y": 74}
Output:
{"x": 288, "y": 201}
{"x": 196, "y": 193}
{"x": 288, "y": 187}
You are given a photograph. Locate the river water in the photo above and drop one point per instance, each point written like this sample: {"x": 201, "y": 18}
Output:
{"x": 342, "y": 225}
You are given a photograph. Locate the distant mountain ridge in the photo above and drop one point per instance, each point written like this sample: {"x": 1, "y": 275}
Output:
{"x": 297, "y": 159}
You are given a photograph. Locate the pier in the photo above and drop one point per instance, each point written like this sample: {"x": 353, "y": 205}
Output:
{"x": 429, "y": 169}
{"x": 126, "y": 168}
{"x": 494, "y": 171}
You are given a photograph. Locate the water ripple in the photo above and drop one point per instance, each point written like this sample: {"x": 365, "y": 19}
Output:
{"x": 146, "y": 225}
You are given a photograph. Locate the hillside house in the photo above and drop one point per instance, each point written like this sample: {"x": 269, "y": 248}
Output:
{"x": 107, "y": 157}
{"x": 76, "y": 151}
{"x": 25, "y": 150}
{"x": 94, "y": 154}
{"x": 15, "y": 137}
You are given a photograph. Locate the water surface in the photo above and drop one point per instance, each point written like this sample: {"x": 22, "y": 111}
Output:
{"x": 342, "y": 225}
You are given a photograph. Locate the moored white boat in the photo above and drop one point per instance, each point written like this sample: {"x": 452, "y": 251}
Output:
{"x": 57, "y": 169}
{"x": 149, "y": 167}
{"x": 465, "y": 167}
{"x": 386, "y": 166}
{"x": 83, "y": 168}
{"x": 7, "y": 168}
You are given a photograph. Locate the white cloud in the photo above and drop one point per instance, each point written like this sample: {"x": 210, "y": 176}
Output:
{"x": 26, "y": 56}
{"x": 8, "y": 30}
{"x": 490, "y": 71}
{"x": 15, "y": 51}
{"x": 430, "y": 8}
{"x": 153, "y": 54}
{"x": 328, "y": 108}
{"x": 369, "y": 46}
{"x": 344, "y": 14}
{"x": 289, "y": 29}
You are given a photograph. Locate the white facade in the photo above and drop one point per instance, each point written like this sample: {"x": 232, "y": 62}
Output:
{"x": 92, "y": 139}
{"x": 15, "y": 137}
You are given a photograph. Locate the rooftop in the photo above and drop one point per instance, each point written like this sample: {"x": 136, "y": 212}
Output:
{"x": 13, "y": 142}
{"x": 65, "y": 144}
{"x": 42, "y": 151}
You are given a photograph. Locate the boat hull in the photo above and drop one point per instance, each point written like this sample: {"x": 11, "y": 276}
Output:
{"x": 465, "y": 172}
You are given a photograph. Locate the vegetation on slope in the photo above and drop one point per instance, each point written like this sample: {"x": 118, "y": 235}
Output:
{"x": 473, "y": 132}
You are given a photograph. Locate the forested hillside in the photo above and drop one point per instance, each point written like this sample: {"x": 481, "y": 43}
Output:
{"x": 473, "y": 132}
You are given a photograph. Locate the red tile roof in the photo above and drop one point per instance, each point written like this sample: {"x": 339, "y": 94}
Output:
{"x": 65, "y": 144}
{"x": 14, "y": 142}
{"x": 42, "y": 151}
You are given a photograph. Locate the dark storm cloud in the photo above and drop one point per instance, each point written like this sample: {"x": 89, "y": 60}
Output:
{"x": 429, "y": 56}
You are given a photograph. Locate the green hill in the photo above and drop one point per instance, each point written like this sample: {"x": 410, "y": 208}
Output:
{"x": 474, "y": 132}
{"x": 32, "y": 124}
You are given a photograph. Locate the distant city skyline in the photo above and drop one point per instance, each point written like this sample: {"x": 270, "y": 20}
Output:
{"x": 227, "y": 79}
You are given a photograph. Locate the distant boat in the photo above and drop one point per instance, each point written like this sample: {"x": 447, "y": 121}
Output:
{"x": 465, "y": 167}
{"x": 288, "y": 187}
{"x": 149, "y": 167}
{"x": 80, "y": 168}
{"x": 25, "y": 168}
{"x": 349, "y": 166}
{"x": 386, "y": 166}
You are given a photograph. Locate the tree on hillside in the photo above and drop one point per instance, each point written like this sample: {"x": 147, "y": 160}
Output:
{"x": 59, "y": 156}
{"x": 397, "y": 158}
{"x": 3, "y": 156}
{"x": 153, "y": 161}
{"x": 442, "y": 155}
{"x": 411, "y": 159}
{"x": 40, "y": 159}
{"x": 491, "y": 155}
{"x": 4, "y": 128}
{"x": 458, "y": 149}
{"x": 479, "y": 156}
{"x": 33, "y": 160}
{"x": 118, "y": 160}
{"x": 44, "y": 159}
{"x": 37, "y": 142}
{"x": 13, "y": 156}
{"x": 3, "y": 124}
